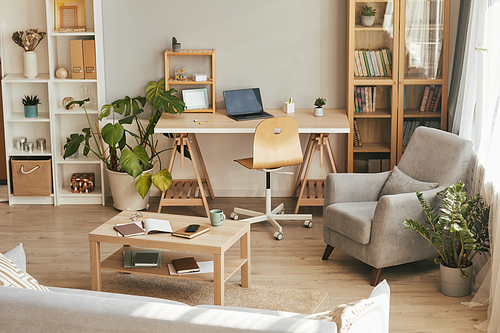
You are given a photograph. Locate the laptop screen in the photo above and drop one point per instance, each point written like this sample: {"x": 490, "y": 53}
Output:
{"x": 243, "y": 101}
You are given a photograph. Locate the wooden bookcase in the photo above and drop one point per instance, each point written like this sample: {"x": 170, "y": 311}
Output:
{"x": 399, "y": 88}
{"x": 194, "y": 66}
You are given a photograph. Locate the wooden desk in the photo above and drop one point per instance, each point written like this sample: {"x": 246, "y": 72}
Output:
{"x": 187, "y": 125}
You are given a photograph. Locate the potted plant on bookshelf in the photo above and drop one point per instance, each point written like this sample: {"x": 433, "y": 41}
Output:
{"x": 31, "y": 106}
{"x": 28, "y": 41}
{"x": 319, "y": 103}
{"x": 368, "y": 16}
{"x": 176, "y": 47}
{"x": 129, "y": 165}
{"x": 458, "y": 232}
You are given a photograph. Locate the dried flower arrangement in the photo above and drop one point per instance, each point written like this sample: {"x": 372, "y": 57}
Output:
{"x": 28, "y": 40}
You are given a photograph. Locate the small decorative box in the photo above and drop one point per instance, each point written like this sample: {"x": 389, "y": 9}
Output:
{"x": 82, "y": 183}
{"x": 199, "y": 77}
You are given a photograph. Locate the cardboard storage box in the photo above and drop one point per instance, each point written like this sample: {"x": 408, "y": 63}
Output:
{"x": 31, "y": 175}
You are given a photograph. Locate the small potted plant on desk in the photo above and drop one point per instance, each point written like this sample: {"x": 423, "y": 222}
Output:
{"x": 31, "y": 106}
{"x": 458, "y": 232}
{"x": 368, "y": 16}
{"x": 319, "y": 103}
{"x": 126, "y": 162}
{"x": 176, "y": 47}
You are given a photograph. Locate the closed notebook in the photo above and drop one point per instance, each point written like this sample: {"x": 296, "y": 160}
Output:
{"x": 129, "y": 229}
{"x": 182, "y": 232}
{"x": 185, "y": 265}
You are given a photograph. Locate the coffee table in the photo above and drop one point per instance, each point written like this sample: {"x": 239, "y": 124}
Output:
{"x": 211, "y": 245}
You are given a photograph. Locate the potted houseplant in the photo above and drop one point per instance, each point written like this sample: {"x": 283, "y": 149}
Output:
{"x": 176, "y": 47}
{"x": 31, "y": 106}
{"x": 368, "y": 16}
{"x": 28, "y": 41}
{"x": 319, "y": 103}
{"x": 458, "y": 232}
{"x": 123, "y": 159}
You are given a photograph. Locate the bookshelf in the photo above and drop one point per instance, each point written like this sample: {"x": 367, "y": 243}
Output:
{"x": 416, "y": 45}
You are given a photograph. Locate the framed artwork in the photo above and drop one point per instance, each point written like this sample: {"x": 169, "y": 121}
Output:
{"x": 195, "y": 98}
{"x": 69, "y": 14}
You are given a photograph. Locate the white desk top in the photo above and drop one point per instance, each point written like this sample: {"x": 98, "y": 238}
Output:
{"x": 333, "y": 121}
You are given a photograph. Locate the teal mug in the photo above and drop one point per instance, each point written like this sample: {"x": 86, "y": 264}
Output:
{"x": 217, "y": 216}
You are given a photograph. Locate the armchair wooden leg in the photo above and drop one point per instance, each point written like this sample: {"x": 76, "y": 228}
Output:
{"x": 376, "y": 274}
{"x": 327, "y": 252}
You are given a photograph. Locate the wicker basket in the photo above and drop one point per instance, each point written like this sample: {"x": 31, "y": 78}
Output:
{"x": 31, "y": 176}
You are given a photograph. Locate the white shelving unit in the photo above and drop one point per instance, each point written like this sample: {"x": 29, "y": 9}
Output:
{"x": 54, "y": 123}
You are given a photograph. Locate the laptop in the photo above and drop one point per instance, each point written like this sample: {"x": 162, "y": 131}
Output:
{"x": 244, "y": 104}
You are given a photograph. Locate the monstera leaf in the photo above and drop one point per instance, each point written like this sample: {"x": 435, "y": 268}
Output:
{"x": 131, "y": 160}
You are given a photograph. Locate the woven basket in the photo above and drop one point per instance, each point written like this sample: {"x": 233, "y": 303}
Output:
{"x": 31, "y": 176}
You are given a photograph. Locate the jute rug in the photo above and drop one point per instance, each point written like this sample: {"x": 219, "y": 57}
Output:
{"x": 200, "y": 292}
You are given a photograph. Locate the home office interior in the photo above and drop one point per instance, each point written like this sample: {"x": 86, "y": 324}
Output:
{"x": 288, "y": 49}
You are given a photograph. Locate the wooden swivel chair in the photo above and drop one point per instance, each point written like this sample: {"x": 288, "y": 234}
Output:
{"x": 276, "y": 144}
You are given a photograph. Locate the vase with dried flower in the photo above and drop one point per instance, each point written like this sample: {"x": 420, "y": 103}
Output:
{"x": 28, "y": 41}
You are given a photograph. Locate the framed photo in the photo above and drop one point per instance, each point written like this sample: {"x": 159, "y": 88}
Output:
{"x": 195, "y": 98}
{"x": 69, "y": 14}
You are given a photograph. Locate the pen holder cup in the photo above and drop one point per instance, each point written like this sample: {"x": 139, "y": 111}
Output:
{"x": 288, "y": 107}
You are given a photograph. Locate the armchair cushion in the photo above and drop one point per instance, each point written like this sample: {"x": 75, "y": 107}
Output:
{"x": 351, "y": 219}
{"x": 399, "y": 182}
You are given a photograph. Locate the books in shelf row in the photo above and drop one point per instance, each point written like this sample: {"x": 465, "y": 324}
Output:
{"x": 431, "y": 99}
{"x": 357, "y": 136}
{"x": 364, "y": 99}
{"x": 409, "y": 127}
{"x": 374, "y": 63}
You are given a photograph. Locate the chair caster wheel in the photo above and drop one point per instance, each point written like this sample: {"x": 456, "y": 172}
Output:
{"x": 234, "y": 216}
{"x": 308, "y": 224}
{"x": 278, "y": 235}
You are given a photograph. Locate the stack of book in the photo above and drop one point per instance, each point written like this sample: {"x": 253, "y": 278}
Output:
{"x": 364, "y": 99}
{"x": 374, "y": 63}
{"x": 431, "y": 99}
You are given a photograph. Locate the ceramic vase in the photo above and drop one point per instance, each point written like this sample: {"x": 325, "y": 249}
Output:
{"x": 453, "y": 283}
{"x": 31, "y": 111}
{"x": 367, "y": 21}
{"x": 30, "y": 64}
{"x": 125, "y": 195}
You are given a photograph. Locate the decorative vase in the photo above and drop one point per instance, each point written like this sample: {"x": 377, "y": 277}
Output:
{"x": 453, "y": 283}
{"x": 318, "y": 112}
{"x": 125, "y": 195}
{"x": 367, "y": 21}
{"x": 62, "y": 73}
{"x": 31, "y": 111}
{"x": 86, "y": 93}
{"x": 30, "y": 64}
{"x": 176, "y": 47}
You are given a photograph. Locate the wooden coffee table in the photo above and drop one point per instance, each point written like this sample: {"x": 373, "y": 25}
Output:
{"x": 209, "y": 246}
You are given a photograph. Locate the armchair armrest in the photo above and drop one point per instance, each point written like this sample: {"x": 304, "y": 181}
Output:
{"x": 354, "y": 187}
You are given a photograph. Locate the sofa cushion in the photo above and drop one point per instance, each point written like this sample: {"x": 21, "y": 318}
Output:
{"x": 17, "y": 256}
{"x": 399, "y": 182}
{"x": 351, "y": 219}
{"x": 12, "y": 276}
{"x": 343, "y": 315}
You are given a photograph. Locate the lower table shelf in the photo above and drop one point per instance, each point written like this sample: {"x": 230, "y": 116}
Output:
{"x": 115, "y": 263}
{"x": 313, "y": 192}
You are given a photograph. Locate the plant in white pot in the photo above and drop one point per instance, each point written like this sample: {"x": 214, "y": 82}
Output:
{"x": 458, "y": 232}
{"x": 368, "y": 16}
{"x": 319, "y": 103}
{"x": 125, "y": 161}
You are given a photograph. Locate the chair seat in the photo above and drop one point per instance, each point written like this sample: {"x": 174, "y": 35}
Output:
{"x": 351, "y": 219}
{"x": 246, "y": 162}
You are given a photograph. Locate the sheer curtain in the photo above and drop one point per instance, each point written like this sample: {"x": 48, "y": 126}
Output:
{"x": 478, "y": 108}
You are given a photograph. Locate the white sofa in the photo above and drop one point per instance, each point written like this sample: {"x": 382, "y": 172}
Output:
{"x": 75, "y": 310}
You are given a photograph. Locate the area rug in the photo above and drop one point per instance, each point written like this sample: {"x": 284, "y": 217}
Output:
{"x": 201, "y": 292}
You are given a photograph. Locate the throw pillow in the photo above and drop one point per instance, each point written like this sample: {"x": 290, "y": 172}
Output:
{"x": 17, "y": 256}
{"x": 12, "y": 276}
{"x": 399, "y": 182}
{"x": 343, "y": 315}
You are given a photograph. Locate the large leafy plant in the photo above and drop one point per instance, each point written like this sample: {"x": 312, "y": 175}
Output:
{"x": 456, "y": 229}
{"x": 121, "y": 154}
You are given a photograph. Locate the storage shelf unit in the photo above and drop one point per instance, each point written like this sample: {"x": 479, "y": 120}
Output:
{"x": 54, "y": 123}
{"x": 170, "y": 81}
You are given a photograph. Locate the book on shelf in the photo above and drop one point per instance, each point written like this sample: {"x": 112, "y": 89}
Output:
{"x": 182, "y": 232}
{"x": 382, "y": 62}
{"x": 379, "y": 64}
{"x": 374, "y": 99}
{"x": 364, "y": 98}
{"x": 425, "y": 97}
{"x": 375, "y": 64}
{"x": 357, "y": 136}
{"x": 357, "y": 63}
{"x": 362, "y": 62}
{"x": 434, "y": 106}
{"x": 141, "y": 258}
{"x": 185, "y": 265}
{"x": 429, "y": 99}
{"x": 367, "y": 64}
{"x": 205, "y": 267}
{"x": 145, "y": 227}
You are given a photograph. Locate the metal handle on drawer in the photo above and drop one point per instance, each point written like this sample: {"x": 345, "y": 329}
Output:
{"x": 27, "y": 172}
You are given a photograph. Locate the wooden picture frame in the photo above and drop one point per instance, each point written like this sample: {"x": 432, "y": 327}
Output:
{"x": 69, "y": 14}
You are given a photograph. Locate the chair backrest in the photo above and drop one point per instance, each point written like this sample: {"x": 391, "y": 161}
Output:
{"x": 436, "y": 156}
{"x": 276, "y": 143}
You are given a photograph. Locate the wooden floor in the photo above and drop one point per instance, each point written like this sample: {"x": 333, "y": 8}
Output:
{"x": 56, "y": 244}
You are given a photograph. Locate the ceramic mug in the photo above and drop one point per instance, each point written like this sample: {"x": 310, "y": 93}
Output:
{"x": 217, "y": 216}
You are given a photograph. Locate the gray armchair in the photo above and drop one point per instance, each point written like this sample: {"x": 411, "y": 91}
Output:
{"x": 363, "y": 213}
